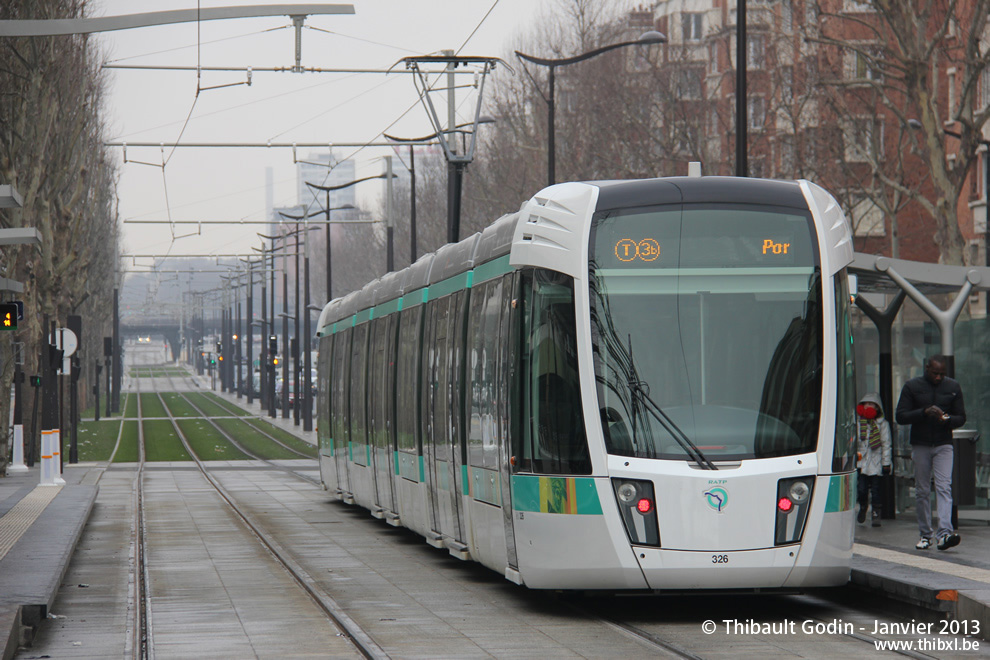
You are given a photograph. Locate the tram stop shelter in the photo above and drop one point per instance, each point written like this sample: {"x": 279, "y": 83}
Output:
{"x": 902, "y": 279}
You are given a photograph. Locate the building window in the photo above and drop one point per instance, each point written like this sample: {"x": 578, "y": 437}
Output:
{"x": 689, "y": 84}
{"x": 755, "y": 55}
{"x": 757, "y": 167}
{"x": 863, "y": 139}
{"x": 691, "y": 26}
{"x": 787, "y": 16}
{"x": 864, "y": 66}
{"x": 757, "y": 112}
{"x": 713, "y": 66}
{"x": 867, "y": 219}
{"x": 984, "y": 89}
{"x": 951, "y": 91}
{"x": 787, "y": 83}
{"x": 857, "y": 6}
{"x": 787, "y": 161}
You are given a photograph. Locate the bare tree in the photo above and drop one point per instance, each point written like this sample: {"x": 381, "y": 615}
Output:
{"x": 51, "y": 150}
{"x": 917, "y": 67}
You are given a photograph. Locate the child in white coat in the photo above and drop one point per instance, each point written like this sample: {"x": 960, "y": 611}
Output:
{"x": 873, "y": 448}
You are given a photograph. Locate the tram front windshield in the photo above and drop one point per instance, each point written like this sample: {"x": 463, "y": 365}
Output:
{"x": 706, "y": 325}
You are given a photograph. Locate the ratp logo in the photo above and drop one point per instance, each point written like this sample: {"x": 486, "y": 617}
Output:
{"x": 717, "y": 498}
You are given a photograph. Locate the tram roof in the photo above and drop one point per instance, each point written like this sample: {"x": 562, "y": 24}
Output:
{"x": 871, "y": 276}
{"x": 709, "y": 189}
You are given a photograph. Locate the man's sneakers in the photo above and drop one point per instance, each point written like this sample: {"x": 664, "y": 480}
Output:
{"x": 947, "y": 541}
{"x": 876, "y": 518}
{"x": 924, "y": 543}
{"x": 861, "y": 516}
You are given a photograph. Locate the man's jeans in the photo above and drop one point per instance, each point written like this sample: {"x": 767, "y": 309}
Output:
{"x": 938, "y": 461}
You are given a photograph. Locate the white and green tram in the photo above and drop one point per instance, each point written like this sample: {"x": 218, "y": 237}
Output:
{"x": 627, "y": 385}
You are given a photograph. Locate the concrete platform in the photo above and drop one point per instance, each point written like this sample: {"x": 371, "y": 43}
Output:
{"x": 955, "y": 581}
{"x": 39, "y": 529}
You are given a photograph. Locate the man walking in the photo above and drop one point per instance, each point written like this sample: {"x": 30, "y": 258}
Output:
{"x": 933, "y": 405}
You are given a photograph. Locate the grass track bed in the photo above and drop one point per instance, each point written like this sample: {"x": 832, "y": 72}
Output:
{"x": 283, "y": 436}
{"x": 151, "y": 406}
{"x": 127, "y": 452}
{"x": 178, "y": 406}
{"x": 97, "y": 439}
{"x": 130, "y": 407}
{"x": 209, "y": 408}
{"x": 161, "y": 442}
{"x": 208, "y": 443}
{"x": 233, "y": 408}
{"x": 252, "y": 440}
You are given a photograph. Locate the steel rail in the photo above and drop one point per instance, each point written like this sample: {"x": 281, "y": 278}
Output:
{"x": 348, "y": 627}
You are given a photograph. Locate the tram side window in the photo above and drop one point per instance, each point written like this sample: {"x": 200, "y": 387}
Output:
{"x": 339, "y": 390}
{"x": 358, "y": 391}
{"x": 497, "y": 372}
{"x": 377, "y": 391}
{"x": 437, "y": 377}
{"x": 477, "y": 367}
{"x": 483, "y": 379}
{"x": 553, "y": 438}
{"x": 844, "y": 451}
{"x": 407, "y": 377}
{"x": 457, "y": 329}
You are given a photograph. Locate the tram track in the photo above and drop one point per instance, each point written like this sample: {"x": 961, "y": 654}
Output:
{"x": 231, "y": 439}
{"x": 672, "y": 633}
{"x": 140, "y": 640}
{"x": 347, "y": 626}
{"x": 681, "y": 630}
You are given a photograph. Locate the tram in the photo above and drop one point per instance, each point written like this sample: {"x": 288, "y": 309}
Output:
{"x": 626, "y": 385}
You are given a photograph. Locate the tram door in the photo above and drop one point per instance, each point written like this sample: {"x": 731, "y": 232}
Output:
{"x": 382, "y": 347}
{"x": 440, "y": 435}
{"x": 339, "y": 408}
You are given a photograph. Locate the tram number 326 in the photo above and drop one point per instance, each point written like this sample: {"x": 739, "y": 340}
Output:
{"x": 720, "y": 559}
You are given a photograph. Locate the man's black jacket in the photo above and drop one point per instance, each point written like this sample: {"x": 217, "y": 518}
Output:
{"x": 919, "y": 393}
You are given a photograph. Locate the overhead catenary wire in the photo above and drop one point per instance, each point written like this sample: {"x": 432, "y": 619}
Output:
{"x": 350, "y": 156}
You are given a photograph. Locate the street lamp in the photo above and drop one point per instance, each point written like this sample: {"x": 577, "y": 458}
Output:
{"x": 327, "y": 209}
{"x": 646, "y": 39}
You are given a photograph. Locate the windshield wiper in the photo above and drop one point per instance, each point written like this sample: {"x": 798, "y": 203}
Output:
{"x": 639, "y": 392}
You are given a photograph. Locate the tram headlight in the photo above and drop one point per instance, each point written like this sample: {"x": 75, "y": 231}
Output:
{"x": 792, "y": 506}
{"x": 626, "y": 492}
{"x": 799, "y": 492}
{"x": 637, "y": 506}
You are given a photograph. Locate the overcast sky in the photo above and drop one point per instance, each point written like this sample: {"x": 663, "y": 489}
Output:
{"x": 229, "y": 184}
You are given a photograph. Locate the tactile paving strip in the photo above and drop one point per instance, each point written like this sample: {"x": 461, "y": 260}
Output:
{"x": 23, "y": 514}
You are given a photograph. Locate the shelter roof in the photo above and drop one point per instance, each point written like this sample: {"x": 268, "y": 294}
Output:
{"x": 872, "y": 276}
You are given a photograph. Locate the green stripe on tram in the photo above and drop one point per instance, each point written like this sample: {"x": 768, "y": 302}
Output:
{"x": 565, "y": 495}
{"x": 466, "y": 280}
{"x": 492, "y": 269}
{"x": 841, "y": 490}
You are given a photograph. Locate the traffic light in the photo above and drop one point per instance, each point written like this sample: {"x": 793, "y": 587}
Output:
{"x": 219, "y": 348}
{"x": 8, "y": 316}
{"x": 272, "y": 344}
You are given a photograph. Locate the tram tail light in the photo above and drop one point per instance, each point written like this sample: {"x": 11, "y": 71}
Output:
{"x": 637, "y": 506}
{"x": 793, "y": 504}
